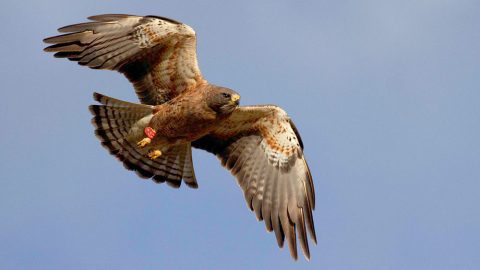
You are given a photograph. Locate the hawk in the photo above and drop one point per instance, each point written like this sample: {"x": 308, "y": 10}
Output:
{"x": 259, "y": 145}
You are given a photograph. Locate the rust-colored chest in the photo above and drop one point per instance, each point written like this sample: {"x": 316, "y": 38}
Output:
{"x": 183, "y": 119}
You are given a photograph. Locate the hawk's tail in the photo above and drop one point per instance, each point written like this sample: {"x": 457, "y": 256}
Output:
{"x": 116, "y": 120}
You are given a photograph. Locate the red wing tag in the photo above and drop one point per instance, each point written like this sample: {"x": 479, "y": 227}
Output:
{"x": 150, "y": 132}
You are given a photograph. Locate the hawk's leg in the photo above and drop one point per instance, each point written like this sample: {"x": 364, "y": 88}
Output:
{"x": 144, "y": 142}
{"x": 150, "y": 132}
{"x": 154, "y": 153}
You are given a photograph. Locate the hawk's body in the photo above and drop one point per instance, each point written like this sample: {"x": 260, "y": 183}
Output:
{"x": 258, "y": 144}
{"x": 187, "y": 117}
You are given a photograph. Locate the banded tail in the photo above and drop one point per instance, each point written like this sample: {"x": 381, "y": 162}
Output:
{"x": 119, "y": 123}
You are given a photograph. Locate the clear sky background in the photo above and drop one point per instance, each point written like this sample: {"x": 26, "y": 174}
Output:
{"x": 385, "y": 94}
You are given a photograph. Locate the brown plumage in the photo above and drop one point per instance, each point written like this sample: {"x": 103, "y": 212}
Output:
{"x": 260, "y": 145}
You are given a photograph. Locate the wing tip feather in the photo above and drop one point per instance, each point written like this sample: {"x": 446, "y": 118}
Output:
{"x": 97, "y": 96}
{"x": 109, "y": 17}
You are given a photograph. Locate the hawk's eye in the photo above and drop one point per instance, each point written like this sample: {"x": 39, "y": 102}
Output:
{"x": 226, "y": 95}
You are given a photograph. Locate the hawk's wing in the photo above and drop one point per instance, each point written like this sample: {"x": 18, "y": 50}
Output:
{"x": 158, "y": 55}
{"x": 262, "y": 148}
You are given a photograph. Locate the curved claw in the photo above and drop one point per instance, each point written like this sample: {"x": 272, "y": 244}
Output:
{"x": 153, "y": 154}
{"x": 144, "y": 142}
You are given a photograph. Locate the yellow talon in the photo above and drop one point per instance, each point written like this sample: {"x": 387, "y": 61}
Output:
{"x": 144, "y": 142}
{"x": 153, "y": 154}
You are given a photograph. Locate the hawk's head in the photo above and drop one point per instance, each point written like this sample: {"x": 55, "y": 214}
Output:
{"x": 222, "y": 100}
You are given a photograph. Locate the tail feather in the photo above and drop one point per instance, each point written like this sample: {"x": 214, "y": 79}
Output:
{"x": 117, "y": 103}
{"x": 114, "y": 121}
{"x": 123, "y": 113}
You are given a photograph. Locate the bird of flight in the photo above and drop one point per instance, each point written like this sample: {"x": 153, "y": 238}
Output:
{"x": 259, "y": 145}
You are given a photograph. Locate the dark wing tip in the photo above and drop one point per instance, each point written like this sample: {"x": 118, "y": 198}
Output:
{"x": 97, "y": 96}
{"x": 311, "y": 190}
{"x": 109, "y": 17}
{"x": 55, "y": 48}
{"x": 292, "y": 243}
{"x": 49, "y": 40}
{"x": 66, "y": 28}
{"x": 163, "y": 19}
{"x": 47, "y": 49}
{"x": 69, "y": 55}
{"x": 294, "y": 254}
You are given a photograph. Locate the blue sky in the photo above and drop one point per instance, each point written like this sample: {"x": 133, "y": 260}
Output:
{"x": 385, "y": 94}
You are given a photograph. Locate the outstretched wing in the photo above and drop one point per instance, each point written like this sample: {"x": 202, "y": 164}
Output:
{"x": 262, "y": 148}
{"x": 158, "y": 55}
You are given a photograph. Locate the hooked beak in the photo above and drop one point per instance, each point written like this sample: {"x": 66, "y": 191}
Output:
{"x": 235, "y": 99}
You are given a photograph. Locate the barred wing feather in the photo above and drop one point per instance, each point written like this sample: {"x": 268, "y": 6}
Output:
{"x": 157, "y": 54}
{"x": 262, "y": 148}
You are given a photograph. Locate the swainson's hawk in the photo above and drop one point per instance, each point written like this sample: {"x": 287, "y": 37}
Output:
{"x": 258, "y": 144}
